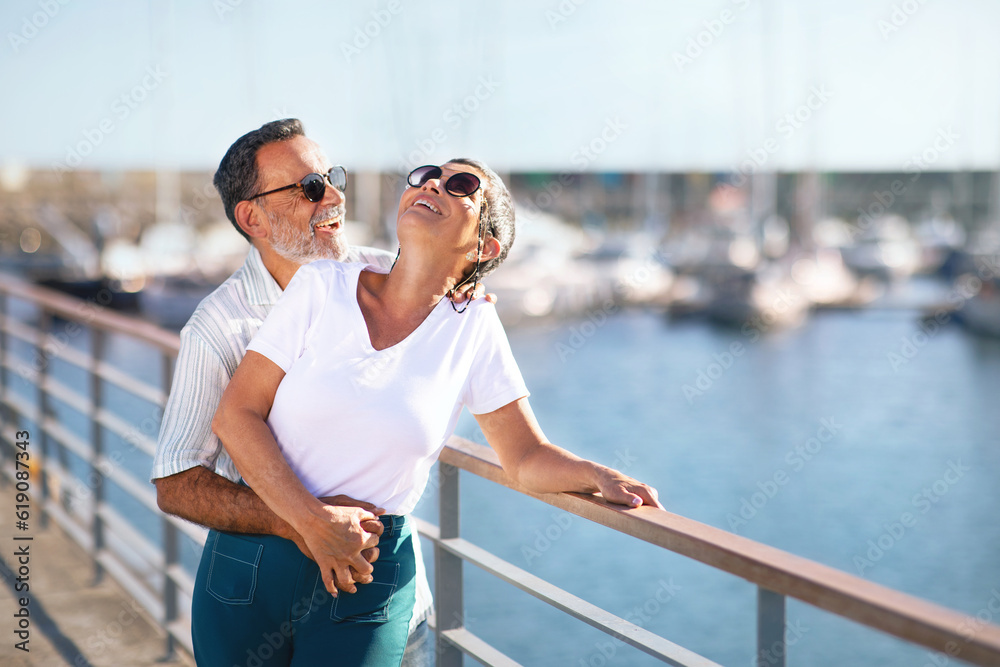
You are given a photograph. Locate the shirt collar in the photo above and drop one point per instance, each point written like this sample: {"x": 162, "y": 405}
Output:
{"x": 262, "y": 289}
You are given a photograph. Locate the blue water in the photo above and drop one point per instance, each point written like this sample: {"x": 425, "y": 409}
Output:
{"x": 900, "y": 420}
{"x": 822, "y": 436}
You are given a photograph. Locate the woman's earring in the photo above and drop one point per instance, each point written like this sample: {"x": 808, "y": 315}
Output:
{"x": 471, "y": 255}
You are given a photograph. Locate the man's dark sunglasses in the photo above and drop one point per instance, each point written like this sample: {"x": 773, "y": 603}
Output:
{"x": 314, "y": 185}
{"x": 462, "y": 184}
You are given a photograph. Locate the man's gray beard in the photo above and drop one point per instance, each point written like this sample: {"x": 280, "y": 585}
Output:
{"x": 304, "y": 248}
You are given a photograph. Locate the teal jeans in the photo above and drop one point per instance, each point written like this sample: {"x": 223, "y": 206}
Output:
{"x": 258, "y": 601}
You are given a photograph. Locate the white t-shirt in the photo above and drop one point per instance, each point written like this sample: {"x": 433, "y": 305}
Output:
{"x": 366, "y": 423}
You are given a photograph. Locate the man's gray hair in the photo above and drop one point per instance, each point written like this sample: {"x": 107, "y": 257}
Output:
{"x": 499, "y": 220}
{"x": 238, "y": 178}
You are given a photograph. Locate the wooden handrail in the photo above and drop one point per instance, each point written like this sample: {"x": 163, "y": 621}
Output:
{"x": 838, "y": 592}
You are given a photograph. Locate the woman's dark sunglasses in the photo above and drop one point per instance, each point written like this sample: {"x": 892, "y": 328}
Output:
{"x": 314, "y": 185}
{"x": 462, "y": 184}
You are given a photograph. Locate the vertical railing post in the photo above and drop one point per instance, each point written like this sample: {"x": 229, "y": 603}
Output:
{"x": 6, "y": 357}
{"x": 42, "y": 413}
{"x": 771, "y": 646}
{"x": 96, "y": 450}
{"x": 171, "y": 543}
{"x": 4, "y": 374}
{"x": 448, "y": 569}
{"x": 60, "y": 453}
{"x": 3, "y": 338}
{"x": 171, "y": 553}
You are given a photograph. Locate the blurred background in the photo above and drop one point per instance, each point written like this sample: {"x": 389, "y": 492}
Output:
{"x": 740, "y": 223}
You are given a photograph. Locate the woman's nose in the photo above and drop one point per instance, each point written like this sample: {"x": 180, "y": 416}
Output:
{"x": 433, "y": 184}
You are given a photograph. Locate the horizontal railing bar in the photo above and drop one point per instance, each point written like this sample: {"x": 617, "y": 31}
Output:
{"x": 120, "y": 378}
{"x": 121, "y": 529}
{"x": 131, "y": 583}
{"x": 20, "y": 405}
{"x": 53, "y": 347}
{"x": 865, "y": 602}
{"x": 478, "y": 649}
{"x": 78, "y": 533}
{"x": 139, "y": 543}
{"x": 19, "y": 367}
{"x": 605, "y": 621}
{"x": 195, "y": 531}
{"x": 126, "y": 431}
{"x": 181, "y": 577}
{"x": 59, "y": 487}
{"x": 181, "y": 631}
{"x": 139, "y": 490}
{"x": 67, "y": 395}
{"x": 19, "y": 329}
{"x": 83, "y": 361}
{"x": 66, "y": 438}
{"x": 90, "y": 314}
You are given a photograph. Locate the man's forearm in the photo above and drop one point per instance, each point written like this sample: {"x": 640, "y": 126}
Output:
{"x": 206, "y": 498}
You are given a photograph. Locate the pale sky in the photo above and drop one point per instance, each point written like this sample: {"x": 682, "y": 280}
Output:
{"x": 524, "y": 85}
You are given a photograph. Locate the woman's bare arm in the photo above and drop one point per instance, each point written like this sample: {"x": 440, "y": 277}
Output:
{"x": 535, "y": 463}
{"x": 334, "y": 535}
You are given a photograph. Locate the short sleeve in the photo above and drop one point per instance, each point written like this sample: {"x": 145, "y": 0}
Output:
{"x": 285, "y": 332}
{"x": 186, "y": 439}
{"x": 495, "y": 380}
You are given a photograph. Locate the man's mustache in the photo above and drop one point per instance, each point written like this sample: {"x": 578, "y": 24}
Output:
{"x": 328, "y": 213}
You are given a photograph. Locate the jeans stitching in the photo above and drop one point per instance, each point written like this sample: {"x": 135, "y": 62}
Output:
{"x": 248, "y": 599}
{"x": 380, "y": 615}
{"x": 317, "y": 580}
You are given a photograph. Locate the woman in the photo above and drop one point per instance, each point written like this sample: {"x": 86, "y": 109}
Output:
{"x": 352, "y": 386}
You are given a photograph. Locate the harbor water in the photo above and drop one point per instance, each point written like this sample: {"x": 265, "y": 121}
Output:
{"x": 864, "y": 440}
{"x": 861, "y": 440}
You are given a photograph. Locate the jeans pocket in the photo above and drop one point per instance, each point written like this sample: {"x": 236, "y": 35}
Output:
{"x": 371, "y": 602}
{"x": 232, "y": 574}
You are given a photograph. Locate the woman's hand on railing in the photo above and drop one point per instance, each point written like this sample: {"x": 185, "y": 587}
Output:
{"x": 619, "y": 488}
{"x": 539, "y": 466}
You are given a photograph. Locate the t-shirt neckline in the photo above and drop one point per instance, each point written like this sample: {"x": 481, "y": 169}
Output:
{"x": 362, "y": 325}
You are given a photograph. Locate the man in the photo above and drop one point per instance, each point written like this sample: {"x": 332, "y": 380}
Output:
{"x": 277, "y": 189}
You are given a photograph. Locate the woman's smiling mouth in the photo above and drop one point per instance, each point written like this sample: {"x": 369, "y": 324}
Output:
{"x": 424, "y": 201}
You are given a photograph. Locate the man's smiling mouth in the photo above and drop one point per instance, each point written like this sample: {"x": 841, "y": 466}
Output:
{"x": 328, "y": 225}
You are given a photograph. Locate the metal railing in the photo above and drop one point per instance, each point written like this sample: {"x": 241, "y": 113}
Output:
{"x": 153, "y": 574}
{"x": 113, "y": 542}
